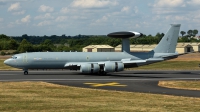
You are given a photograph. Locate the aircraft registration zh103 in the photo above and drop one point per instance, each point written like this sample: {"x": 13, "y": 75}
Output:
{"x": 100, "y": 62}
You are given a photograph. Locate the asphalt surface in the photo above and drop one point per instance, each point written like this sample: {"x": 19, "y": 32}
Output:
{"x": 131, "y": 81}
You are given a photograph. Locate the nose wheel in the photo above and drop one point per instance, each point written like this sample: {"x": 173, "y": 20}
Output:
{"x": 25, "y": 72}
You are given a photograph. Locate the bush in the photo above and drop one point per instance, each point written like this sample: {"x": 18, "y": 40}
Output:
{"x": 15, "y": 52}
{"x": 8, "y": 53}
{"x": 3, "y": 53}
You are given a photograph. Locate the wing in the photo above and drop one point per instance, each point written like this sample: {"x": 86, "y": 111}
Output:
{"x": 124, "y": 61}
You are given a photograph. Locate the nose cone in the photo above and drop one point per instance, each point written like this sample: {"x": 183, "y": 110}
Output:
{"x": 6, "y": 62}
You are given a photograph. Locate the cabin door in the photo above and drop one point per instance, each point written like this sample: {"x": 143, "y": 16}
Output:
{"x": 25, "y": 58}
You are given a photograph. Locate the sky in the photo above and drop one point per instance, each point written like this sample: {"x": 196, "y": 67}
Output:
{"x": 96, "y": 17}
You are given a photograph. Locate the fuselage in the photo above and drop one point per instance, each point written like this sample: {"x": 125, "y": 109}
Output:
{"x": 57, "y": 60}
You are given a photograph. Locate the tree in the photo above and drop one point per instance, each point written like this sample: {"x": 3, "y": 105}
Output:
{"x": 12, "y": 44}
{"x": 3, "y": 44}
{"x": 2, "y": 36}
{"x": 63, "y": 36}
{"x": 47, "y": 42}
{"x": 25, "y": 36}
{"x": 3, "y": 53}
{"x": 185, "y": 39}
{"x": 25, "y": 46}
{"x": 195, "y": 32}
{"x": 183, "y": 33}
{"x": 47, "y": 45}
{"x": 190, "y": 32}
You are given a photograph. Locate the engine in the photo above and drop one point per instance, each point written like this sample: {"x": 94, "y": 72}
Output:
{"x": 113, "y": 66}
{"x": 89, "y": 68}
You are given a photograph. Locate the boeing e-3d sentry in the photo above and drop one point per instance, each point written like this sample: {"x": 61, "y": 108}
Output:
{"x": 100, "y": 62}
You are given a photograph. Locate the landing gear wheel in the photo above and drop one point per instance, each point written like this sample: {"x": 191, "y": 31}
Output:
{"x": 25, "y": 72}
{"x": 102, "y": 73}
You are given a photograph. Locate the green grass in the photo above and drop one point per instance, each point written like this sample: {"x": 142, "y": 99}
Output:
{"x": 40, "y": 96}
{"x": 171, "y": 65}
{"x": 189, "y": 85}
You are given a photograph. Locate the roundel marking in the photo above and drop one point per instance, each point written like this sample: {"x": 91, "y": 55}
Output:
{"x": 87, "y": 58}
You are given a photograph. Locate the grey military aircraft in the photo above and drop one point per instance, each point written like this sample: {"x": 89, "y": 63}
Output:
{"x": 100, "y": 62}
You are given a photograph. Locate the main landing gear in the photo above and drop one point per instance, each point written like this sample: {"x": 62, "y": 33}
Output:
{"x": 102, "y": 72}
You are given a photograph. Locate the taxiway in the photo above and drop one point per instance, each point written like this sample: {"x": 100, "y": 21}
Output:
{"x": 131, "y": 81}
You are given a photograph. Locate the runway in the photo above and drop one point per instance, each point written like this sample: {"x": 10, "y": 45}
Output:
{"x": 131, "y": 81}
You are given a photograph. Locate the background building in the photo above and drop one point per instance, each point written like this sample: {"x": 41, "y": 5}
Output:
{"x": 137, "y": 48}
{"x": 184, "y": 48}
{"x": 98, "y": 48}
{"x": 180, "y": 48}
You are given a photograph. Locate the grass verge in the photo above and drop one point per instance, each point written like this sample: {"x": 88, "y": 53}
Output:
{"x": 40, "y": 96}
{"x": 189, "y": 85}
{"x": 171, "y": 65}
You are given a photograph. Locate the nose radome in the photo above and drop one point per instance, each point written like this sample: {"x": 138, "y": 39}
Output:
{"x": 6, "y": 62}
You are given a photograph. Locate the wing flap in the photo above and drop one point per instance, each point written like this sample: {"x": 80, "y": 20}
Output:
{"x": 72, "y": 64}
{"x": 154, "y": 59}
{"x": 81, "y": 63}
{"x": 134, "y": 61}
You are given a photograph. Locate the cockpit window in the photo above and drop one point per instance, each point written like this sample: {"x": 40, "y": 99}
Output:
{"x": 14, "y": 57}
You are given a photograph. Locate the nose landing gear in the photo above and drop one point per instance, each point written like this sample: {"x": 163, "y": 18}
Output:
{"x": 25, "y": 72}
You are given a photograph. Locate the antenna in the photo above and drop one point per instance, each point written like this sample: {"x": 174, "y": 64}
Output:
{"x": 124, "y": 35}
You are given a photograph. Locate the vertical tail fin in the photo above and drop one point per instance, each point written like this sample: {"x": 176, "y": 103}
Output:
{"x": 169, "y": 41}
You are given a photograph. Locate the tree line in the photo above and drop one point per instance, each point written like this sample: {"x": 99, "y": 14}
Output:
{"x": 62, "y": 43}
{"x": 190, "y": 33}
{"x": 188, "y": 36}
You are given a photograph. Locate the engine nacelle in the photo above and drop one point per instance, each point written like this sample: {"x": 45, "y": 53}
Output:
{"x": 89, "y": 68}
{"x": 113, "y": 66}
